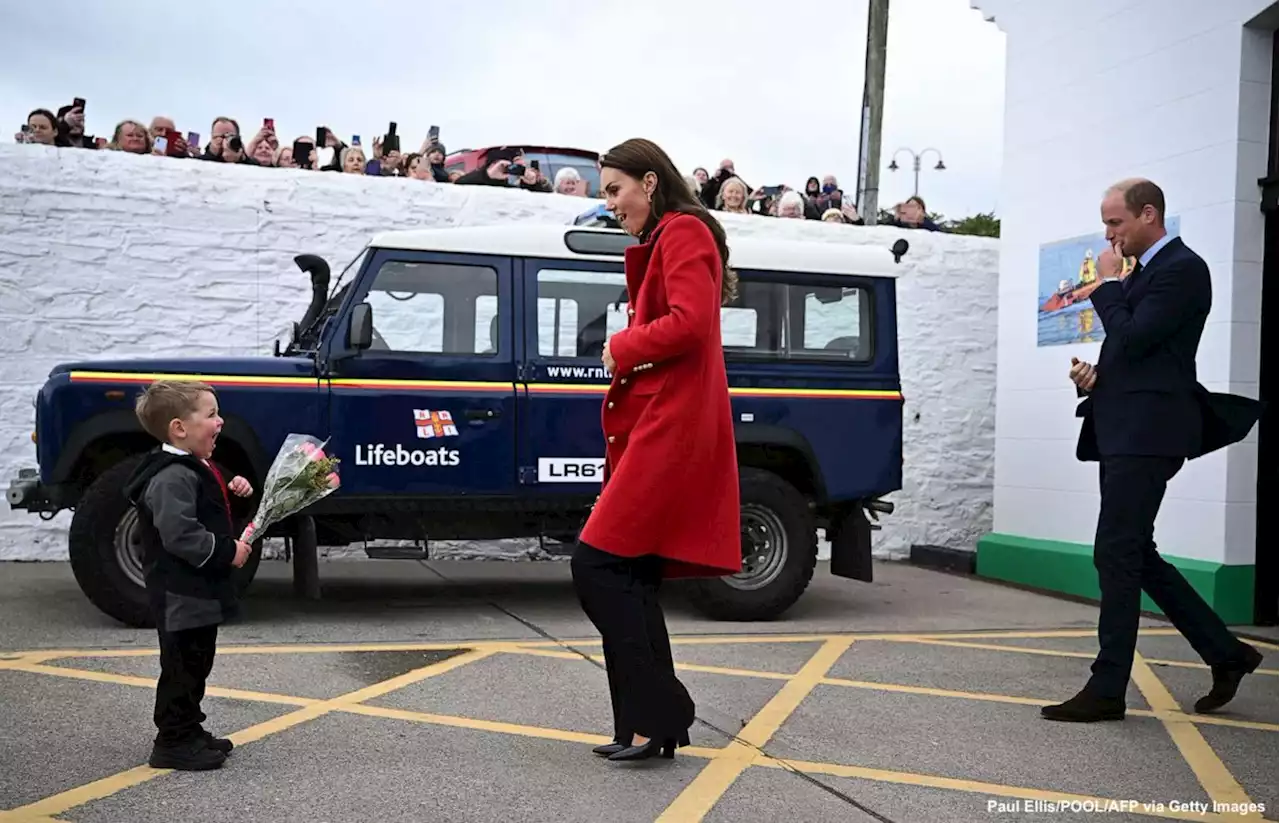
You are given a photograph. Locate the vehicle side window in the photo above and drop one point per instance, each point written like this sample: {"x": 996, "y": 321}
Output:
{"x": 788, "y": 321}
{"x": 435, "y": 308}
{"x": 578, "y": 310}
{"x": 832, "y": 322}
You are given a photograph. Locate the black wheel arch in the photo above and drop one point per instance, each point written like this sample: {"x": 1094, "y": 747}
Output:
{"x": 105, "y": 439}
{"x": 783, "y": 451}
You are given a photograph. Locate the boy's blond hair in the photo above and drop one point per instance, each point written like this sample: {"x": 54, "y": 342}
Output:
{"x": 167, "y": 400}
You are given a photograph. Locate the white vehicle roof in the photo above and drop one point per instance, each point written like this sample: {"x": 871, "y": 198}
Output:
{"x": 548, "y": 241}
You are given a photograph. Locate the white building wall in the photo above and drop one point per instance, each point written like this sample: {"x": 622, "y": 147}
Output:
{"x": 110, "y": 255}
{"x": 1176, "y": 91}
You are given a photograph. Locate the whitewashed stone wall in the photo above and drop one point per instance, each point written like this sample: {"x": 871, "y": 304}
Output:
{"x": 111, "y": 255}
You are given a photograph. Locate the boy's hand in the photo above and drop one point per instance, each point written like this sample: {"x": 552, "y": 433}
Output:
{"x": 242, "y": 553}
{"x": 239, "y": 486}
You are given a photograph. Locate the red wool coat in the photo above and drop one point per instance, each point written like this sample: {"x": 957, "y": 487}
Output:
{"x": 671, "y": 469}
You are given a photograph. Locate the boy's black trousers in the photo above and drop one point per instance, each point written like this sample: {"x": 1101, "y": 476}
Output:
{"x": 186, "y": 658}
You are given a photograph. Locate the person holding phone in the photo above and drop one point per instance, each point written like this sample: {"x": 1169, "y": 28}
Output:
{"x": 225, "y": 145}
{"x": 71, "y": 127}
{"x": 42, "y": 128}
{"x": 534, "y": 180}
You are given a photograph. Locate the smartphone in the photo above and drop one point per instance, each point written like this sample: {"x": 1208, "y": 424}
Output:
{"x": 433, "y": 134}
{"x": 172, "y": 136}
{"x": 269, "y": 123}
{"x": 193, "y": 139}
{"x": 301, "y": 151}
{"x": 324, "y": 154}
{"x": 25, "y": 136}
{"x": 355, "y": 140}
{"x": 78, "y": 103}
{"x": 161, "y": 144}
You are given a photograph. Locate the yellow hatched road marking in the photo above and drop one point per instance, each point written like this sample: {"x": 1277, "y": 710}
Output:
{"x": 1000, "y": 647}
{"x": 726, "y": 763}
{"x": 975, "y": 786}
{"x": 676, "y": 640}
{"x": 107, "y": 786}
{"x": 714, "y": 780}
{"x": 1217, "y": 780}
{"x": 150, "y": 682}
{"x": 688, "y": 667}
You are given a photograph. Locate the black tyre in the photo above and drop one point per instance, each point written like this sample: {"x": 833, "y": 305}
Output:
{"x": 106, "y": 550}
{"x": 779, "y": 552}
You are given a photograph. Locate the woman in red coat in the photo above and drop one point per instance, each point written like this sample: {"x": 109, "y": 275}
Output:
{"x": 669, "y": 502}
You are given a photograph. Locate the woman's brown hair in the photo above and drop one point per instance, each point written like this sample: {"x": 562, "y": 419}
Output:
{"x": 636, "y": 158}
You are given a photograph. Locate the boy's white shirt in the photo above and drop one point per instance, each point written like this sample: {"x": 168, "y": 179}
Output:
{"x": 213, "y": 541}
{"x": 172, "y": 449}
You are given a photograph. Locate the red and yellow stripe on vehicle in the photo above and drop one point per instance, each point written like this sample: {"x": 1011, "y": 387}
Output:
{"x": 468, "y": 386}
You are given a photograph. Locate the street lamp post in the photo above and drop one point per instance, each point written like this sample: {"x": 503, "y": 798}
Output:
{"x": 915, "y": 162}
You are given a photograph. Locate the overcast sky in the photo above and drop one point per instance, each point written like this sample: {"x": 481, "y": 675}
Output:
{"x": 776, "y": 86}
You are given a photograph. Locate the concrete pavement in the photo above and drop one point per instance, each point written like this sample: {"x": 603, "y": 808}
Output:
{"x": 472, "y": 691}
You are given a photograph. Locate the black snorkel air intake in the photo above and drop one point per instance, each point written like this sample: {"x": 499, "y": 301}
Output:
{"x": 319, "y": 270}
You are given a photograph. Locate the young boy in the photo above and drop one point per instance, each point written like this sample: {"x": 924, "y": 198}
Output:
{"x": 189, "y": 551}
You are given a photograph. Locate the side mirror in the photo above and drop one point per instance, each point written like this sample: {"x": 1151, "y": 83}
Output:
{"x": 899, "y": 249}
{"x": 360, "y": 333}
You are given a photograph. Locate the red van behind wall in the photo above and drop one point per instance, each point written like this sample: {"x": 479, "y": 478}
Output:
{"x": 550, "y": 159}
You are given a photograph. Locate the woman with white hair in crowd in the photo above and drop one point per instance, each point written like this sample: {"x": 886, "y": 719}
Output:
{"x": 567, "y": 181}
{"x": 791, "y": 205}
{"x": 733, "y": 196}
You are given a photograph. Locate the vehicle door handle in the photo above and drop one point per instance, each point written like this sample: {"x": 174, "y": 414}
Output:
{"x": 482, "y": 414}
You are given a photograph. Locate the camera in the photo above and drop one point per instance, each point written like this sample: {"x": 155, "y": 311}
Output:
{"x": 236, "y": 144}
{"x": 516, "y": 170}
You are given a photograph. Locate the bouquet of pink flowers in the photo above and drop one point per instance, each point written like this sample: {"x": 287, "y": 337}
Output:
{"x": 300, "y": 475}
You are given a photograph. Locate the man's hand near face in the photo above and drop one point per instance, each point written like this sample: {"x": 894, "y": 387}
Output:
{"x": 1111, "y": 263}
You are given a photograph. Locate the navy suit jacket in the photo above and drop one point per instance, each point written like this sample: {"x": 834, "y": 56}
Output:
{"x": 1147, "y": 400}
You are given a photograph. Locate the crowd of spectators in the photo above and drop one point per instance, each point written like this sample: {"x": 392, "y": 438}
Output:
{"x": 820, "y": 199}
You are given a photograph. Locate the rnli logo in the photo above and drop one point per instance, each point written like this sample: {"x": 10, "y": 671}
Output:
{"x": 432, "y": 424}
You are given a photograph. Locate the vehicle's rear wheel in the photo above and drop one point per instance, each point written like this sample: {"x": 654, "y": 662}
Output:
{"x": 106, "y": 549}
{"x": 779, "y": 553}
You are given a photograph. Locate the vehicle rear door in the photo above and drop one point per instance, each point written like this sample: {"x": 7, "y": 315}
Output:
{"x": 571, "y": 308}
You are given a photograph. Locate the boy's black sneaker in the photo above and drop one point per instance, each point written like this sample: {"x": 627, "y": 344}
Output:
{"x": 219, "y": 744}
{"x": 193, "y": 756}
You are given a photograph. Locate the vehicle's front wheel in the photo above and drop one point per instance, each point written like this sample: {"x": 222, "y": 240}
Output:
{"x": 106, "y": 549}
{"x": 779, "y": 553}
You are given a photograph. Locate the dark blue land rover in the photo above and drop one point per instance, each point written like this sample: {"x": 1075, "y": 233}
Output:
{"x": 457, "y": 375}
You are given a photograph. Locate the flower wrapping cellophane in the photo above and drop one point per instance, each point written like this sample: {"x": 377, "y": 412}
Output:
{"x": 300, "y": 475}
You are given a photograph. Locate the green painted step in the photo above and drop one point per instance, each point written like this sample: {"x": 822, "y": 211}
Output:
{"x": 1058, "y": 566}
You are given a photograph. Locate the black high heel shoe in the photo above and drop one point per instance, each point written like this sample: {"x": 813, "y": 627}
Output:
{"x": 609, "y": 748}
{"x": 665, "y": 749}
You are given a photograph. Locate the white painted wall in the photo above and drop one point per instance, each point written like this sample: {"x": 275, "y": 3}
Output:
{"x": 1096, "y": 91}
{"x": 111, "y": 255}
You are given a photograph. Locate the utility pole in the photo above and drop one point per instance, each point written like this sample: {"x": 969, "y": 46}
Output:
{"x": 872, "y": 110}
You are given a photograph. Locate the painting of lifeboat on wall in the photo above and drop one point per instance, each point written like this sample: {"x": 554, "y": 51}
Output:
{"x": 1067, "y": 277}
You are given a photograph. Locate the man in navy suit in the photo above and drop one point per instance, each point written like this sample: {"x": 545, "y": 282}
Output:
{"x": 1144, "y": 415}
